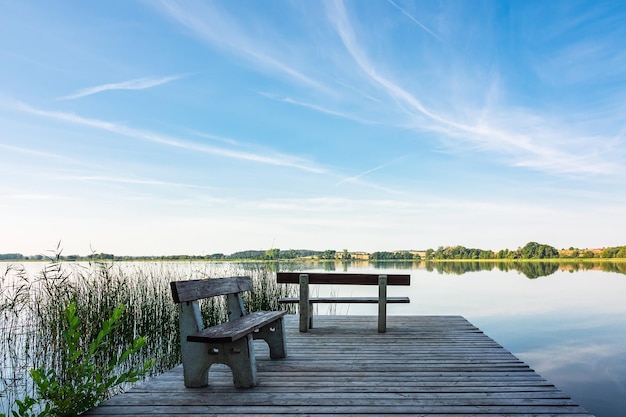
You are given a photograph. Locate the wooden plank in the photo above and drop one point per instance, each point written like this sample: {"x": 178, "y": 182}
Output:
{"x": 235, "y": 329}
{"x": 342, "y": 278}
{"x": 422, "y": 365}
{"x": 345, "y": 300}
{"x": 226, "y": 399}
{"x": 196, "y": 289}
{"x": 354, "y": 408}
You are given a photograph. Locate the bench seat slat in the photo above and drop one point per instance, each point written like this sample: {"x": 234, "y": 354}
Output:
{"x": 346, "y": 300}
{"x": 235, "y": 329}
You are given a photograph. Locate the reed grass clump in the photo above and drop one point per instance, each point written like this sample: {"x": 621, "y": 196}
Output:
{"x": 32, "y": 311}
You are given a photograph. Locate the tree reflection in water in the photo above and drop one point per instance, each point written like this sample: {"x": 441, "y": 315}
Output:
{"x": 531, "y": 269}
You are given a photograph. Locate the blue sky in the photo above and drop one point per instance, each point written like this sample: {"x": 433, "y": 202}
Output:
{"x": 169, "y": 127}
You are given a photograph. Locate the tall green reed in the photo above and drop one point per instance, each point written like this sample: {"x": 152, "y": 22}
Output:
{"x": 32, "y": 311}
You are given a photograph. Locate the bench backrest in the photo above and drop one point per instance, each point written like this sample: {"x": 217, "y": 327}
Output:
{"x": 192, "y": 290}
{"x": 342, "y": 278}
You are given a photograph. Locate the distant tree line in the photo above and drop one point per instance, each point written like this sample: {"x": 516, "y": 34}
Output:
{"x": 532, "y": 250}
{"x": 395, "y": 256}
{"x": 261, "y": 255}
{"x": 11, "y": 256}
{"x": 19, "y": 257}
{"x": 616, "y": 252}
{"x": 273, "y": 254}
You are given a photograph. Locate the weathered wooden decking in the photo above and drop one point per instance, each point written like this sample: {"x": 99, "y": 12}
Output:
{"x": 423, "y": 365}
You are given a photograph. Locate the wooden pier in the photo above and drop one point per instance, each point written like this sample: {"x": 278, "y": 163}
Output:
{"x": 423, "y": 365}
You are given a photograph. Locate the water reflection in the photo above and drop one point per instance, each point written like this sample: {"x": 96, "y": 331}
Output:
{"x": 530, "y": 269}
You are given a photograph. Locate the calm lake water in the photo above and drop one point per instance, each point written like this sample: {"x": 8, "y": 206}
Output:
{"x": 569, "y": 326}
{"x": 567, "y": 322}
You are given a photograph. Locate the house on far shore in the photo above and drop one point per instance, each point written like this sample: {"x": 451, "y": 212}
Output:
{"x": 360, "y": 256}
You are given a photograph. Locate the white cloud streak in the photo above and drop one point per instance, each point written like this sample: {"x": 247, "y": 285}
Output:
{"x": 357, "y": 178}
{"x": 34, "y": 152}
{"x": 220, "y": 31}
{"x": 562, "y": 357}
{"x": 128, "y": 180}
{"x": 320, "y": 109}
{"x": 276, "y": 159}
{"x": 217, "y": 138}
{"x": 135, "y": 84}
{"x": 404, "y": 205}
{"x": 414, "y": 20}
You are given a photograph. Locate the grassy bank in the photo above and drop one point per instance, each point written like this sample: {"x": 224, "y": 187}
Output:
{"x": 32, "y": 310}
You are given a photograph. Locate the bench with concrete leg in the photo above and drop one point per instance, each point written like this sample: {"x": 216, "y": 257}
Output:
{"x": 229, "y": 343}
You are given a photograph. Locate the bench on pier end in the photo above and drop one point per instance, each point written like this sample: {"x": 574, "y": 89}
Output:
{"x": 306, "y": 303}
{"x": 229, "y": 343}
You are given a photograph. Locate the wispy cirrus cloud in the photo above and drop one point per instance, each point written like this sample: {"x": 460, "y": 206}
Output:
{"x": 358, "y": 178}
{"x": 338, "y": 16}
{"x": 320, "y": 109}
{"x": 219, "y": 30}
{"x": 524, "y": 139}
{"x": 221, "y": 139}
{"x": 33, "y": 152}
{"x": 130, "y": 180}
{"x": 269, "y": 158}
{"x": 414, "y": 20}
{"x": 134, "y": 84}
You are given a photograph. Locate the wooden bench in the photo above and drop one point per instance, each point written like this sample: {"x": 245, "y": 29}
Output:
{"x": 230, "y": 343}
{"x": 306, "y": 302}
